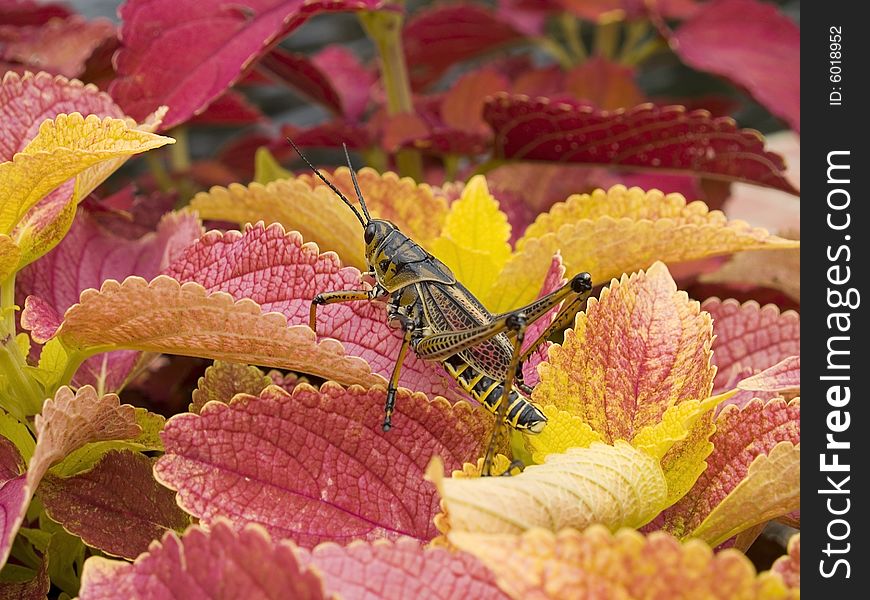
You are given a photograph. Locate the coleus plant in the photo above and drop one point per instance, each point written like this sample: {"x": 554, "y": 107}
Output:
{"x": 674, "y": 428}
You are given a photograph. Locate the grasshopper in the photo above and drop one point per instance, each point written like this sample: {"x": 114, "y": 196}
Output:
{"x": 442, "y": 321}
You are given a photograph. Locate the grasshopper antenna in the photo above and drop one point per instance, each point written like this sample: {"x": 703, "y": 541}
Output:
{"x": 359, "y": 195}
{"x": 332, "y": 186}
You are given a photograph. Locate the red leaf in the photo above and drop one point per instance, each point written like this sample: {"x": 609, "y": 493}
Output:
{"x": 33, "y": 589}
{"x": 300, "y": 72}
{"x": 331, "y": 473}
{"x": 232, "y": 108}
{"x": 462, "y": 107}
{"x": 158, "y": 64}
{"x": 280, "y": 273}
{"x": 528, "y": 16}
{"x": 58, "y": 46}
{"x": 29, "y": 12}
{"x": 331, "y": 135}
{"x": 116, "y": 506}
{"x": 646, "y": 137}
{"x": 400, "y": 570}
{"x": 438, "y": 38}
{"x": 218, "y": 564}
{"x": 750, "y": 43}
{"x": 351, "y": 80}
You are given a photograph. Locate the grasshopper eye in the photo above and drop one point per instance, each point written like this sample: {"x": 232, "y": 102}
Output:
{"x": 369, "y": 234}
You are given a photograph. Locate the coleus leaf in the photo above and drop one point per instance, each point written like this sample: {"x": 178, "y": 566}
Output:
{"x": 33, "y": 589}
{"x": 219, "y": 563}
{"x": 281, "y": 273}
{"x": 639, "y": 349}
{"x": 26, "y": 100}
{"x": 614, "y": 485}
{"x": 462, "y": 106}
{"x": 164, "y": 316}
{"x": 751, "y": 43}
{"x": 336, "y": 476}
{"x": 67, "y": 422}
{"x": 749, "y": 338}
{"x": 157, "y": 64}
{"x": 88, "y": 255}
{"x": 58, "y": 46}
{"x": 789, "y": 567}
{"x": 29, "y": 12}
{"x": 753, "y": 473}
{"x": 68, "y": 146}
{"x": 571, "y": 564}
{"x": 398, "y": 570}
{"x": 777, "y": 269}
{"x": 231, "y": 108}
{"x": 223, "y": 380}
{"x": 781, "y": 378}
{"x": 437, "y": 38}
{"x": 474, "y": 241}
{"x": 646, "y": 137}
{"x": 603, "y": 83}
{"x": 333, "y": 77}
{"x": 620, "y": 231}
{"x": 117, "y": 506}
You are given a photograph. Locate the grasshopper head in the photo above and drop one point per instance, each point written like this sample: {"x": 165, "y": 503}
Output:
{"x": 378, "y": 255}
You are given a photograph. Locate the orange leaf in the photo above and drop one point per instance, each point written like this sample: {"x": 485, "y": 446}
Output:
{"x": 165, "y": 316}
{"x": 622, "y": 566}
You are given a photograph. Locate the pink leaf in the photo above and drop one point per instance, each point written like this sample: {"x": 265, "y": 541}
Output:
{"x": 555, "y": 278}
{"x": 789, "y": 567}
{"x": 751, "y": 43}
{"x": 742, "y": 435}
{"x": 58, "y": 46}
{"x": 26, "y": 101}
{"x": 749, "y": 338}
{"x": 400, "y": 570}
{"x": 281, "y": 273}
{"x": 67, "y": 423}
{"x": 87, "y": 256}
{"x": 116, "y": 506}
{"x": 232, "y": 108}
{"x": 438, "y": 38}
{"x": 218, "y": 564}
{"x": 160, "y": 63}
{"x": 528, "y": 16}
{"x": 783, "y": 377}
{"x": 331, "y": 473}
{"x": 646, "y": 136}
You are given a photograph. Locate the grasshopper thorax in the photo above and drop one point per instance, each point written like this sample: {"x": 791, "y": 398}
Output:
{"x": 398, "y": 261}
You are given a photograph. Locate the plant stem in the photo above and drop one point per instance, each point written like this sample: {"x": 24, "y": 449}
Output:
{"x": 550, "y": 46}
{"x": 27, "y": 397}
{"x": 158, "y": 171}
{"x": 451, "y": 167}
{"x": 606, "y": 38}
{"x": 384, "y": 28}
{"x": 635, "y": 32}
{"x": 179, "y": 158}
{"x": 571, "y": 29}
{"x": 644, "y": 51}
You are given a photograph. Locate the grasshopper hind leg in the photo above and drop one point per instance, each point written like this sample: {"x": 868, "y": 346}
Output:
{"x": 516, "y": 322}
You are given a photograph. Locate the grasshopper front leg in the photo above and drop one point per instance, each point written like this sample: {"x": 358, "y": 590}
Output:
{"x": 338, "y": 296}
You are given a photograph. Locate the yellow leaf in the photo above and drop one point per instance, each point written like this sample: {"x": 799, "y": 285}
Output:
{"x": 10, "y": 253}
{"x": 563, "y": 431}
{"x": 315, "y": 213}
{"x": 65, "y": 147}
{"x": 414, "y": 208}
{"x": 474, "y": 241}
{"x": 595, "y": 564}
{"x": 267, "y": 169}
{"x": 771, "y": 488}
{"x": 613, "y": 485}
{"x": 620, "y": 231}
{"x": 657, "y": 439}
{"x": 684, "y": 463}
{"x": 165, "y": 316}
